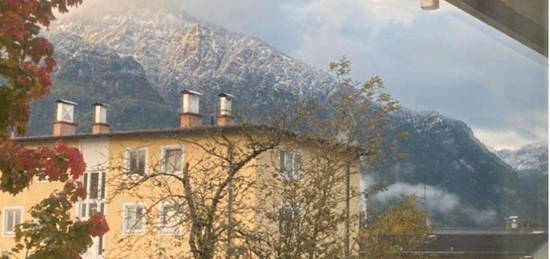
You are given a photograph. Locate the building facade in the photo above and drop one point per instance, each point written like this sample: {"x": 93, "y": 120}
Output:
{"x": 144, "y": 220}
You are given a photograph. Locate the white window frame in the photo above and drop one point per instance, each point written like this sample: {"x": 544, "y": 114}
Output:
{"x": 296, "y": 174}
{"x": 164, "y": 230}
{"x": 99, "y": 202}
{"x": 163, "y": 158}
{"x": 145, "y": 165}
{"x": 133, "y": 232}
{"x": 5, "y": 232}
{"x": 87, "y": 200}
{"x": 285, "y": 205}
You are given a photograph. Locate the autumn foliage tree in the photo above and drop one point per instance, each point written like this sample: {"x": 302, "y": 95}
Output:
{"x": 397, "y": 230}
{"x": 314, "y": 201}
{"x": 26, "y": 62}
{"x": 299, "y": 202}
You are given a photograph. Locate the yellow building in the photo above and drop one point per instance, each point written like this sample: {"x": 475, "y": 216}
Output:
{"x": 142, "y": 219}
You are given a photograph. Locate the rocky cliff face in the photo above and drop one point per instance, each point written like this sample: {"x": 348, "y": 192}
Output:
{"x": 178, "y": 51}
{"x": 88, "y": 74}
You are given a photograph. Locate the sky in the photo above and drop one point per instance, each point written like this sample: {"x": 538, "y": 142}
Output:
{"x": 443, "y": 60}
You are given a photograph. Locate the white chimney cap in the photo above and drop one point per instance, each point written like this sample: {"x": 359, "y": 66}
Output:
{"x": 190, "y": 101}
{"x": 228, "y": 96}
{"x": 186, "y": 91}
{"x": 101, "y": 104}
{"x": 225, "y": 104}
{"x": 65, "y": 110}
{"x": 65, "y": 101}
{"x": 100, "y": 113}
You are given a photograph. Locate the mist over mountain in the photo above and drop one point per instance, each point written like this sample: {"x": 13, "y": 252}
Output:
{"x": 443, "y": 156}
{"x": 139, "y": 61}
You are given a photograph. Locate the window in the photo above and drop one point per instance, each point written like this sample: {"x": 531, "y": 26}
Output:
{"x": 172, "y": 160}
{"x": 289, "y": 221}
{"x": 12, "y": 217}
{"x": 290, "y": 165}
{"x": 94, "y": 183}
{"x": 136, "y": 161}
{"x": 134, "y": 218}
{"x": 168, "y": 219}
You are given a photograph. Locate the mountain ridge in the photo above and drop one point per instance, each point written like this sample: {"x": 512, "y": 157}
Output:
{"x": 530, "y": 157}
{"x": 197, "y": 51}
{"x": 531, "y": 163}
{"x": 141, "y": 63}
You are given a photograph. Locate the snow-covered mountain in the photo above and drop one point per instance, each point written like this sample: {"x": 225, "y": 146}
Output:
{"x": 138, "y": 54}
{"x": 444, "y": 154}
{"x": 532, "y": 158}
{"x": 178, "y": 51}
{"x": 531, "y": 163}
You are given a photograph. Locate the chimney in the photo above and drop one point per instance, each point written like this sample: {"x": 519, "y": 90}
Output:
{"x": 190, "y": 115}
{"x": 64, "y": 121}
{"x": 512, "y": 222}
{"x": 224, "y": 117}
{"x": 100, "y": 125}
{"x": 428, "y": 5}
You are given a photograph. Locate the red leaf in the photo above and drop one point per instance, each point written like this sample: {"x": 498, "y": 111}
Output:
{"x": 99, "y": 225}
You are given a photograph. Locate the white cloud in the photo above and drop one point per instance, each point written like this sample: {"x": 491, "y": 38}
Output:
{"x": 508, "y": 139}
{"x": 438, "y": 200}
{"x": 442, "y": 60}
{"x": 344, "y": 12}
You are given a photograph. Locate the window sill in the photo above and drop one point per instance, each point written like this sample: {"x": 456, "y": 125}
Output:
{"x": 8, "y": 235}
{"x": 134, "y": 233}
{"x": 179, "y": 173}
{"x": 170, "y": 233}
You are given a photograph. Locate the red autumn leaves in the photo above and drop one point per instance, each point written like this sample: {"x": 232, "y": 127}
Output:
{"x": 26, "y": 63}
{"x": 98, "y": 225}
{"x": 27, "y": 59}
{"x": 60, "y": 163}
{"x": 19, "y": 165}
{"x": 75, "y": 190}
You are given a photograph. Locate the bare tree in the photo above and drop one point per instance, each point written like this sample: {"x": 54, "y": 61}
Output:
{"x": 310, "y": 206}
{"x": 265, "y": 191}
{"x": 209, "y": 192}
